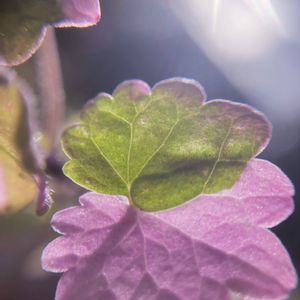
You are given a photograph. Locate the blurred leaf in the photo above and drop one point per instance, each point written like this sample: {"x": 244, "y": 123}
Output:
{"x": 22, "y": 23}
{"x": 162, "y": 148}
{"x": 18, "y": 187}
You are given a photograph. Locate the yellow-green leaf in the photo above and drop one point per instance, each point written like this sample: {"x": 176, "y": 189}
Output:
{"x": 18, "y": 186}
{"x": 163, "y": 147}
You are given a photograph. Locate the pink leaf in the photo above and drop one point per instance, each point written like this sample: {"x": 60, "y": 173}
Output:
{"x": 204, "y": 249}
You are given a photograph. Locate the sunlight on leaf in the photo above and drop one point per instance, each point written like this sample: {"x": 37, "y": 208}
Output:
{"x": 22, "y": 23}
{"x": 163, "y": 147}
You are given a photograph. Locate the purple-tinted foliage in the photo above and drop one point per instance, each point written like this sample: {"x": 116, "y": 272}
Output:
{"x": 44, "y": 199}
{"x": 205, "y": 249}
{"x": 80, "y": 13}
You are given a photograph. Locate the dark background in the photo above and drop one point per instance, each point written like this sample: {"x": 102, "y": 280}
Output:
{"x": 155, "y": 40}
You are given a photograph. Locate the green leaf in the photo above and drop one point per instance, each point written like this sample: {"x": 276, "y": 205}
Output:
{"x": 22, "y": 27}
{"x": 18, "y": 186}
{"x": 162, "y": 148}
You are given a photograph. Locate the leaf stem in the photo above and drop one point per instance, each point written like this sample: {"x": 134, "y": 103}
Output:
{"x": 129, "y": 195}
{"x": 51, "y": 90}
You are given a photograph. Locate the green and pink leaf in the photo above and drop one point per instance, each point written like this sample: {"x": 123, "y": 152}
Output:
{"x": 195, "y": 204}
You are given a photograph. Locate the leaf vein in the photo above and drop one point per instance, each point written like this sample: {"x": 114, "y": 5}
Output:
{"x": 115, "y": 115}
{"x": 131, "y": 140}
{"x": 159, "y": 147}
{"x": 218, "y": 158}
{"x": 107, "y": 160}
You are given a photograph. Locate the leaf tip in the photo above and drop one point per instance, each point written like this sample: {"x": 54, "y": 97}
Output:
{"x": 44, "y": 199}
{"x": 182, "y": 88}
{"x": 134, "y": 89}
{"x": 250, "y": 117}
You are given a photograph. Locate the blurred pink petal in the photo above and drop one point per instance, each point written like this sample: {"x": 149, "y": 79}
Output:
{"x": 80, "y": 13}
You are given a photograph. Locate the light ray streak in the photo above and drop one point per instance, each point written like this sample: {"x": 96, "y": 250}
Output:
{"x": 266, "y": 11}
{"x": 216, "y": 10}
